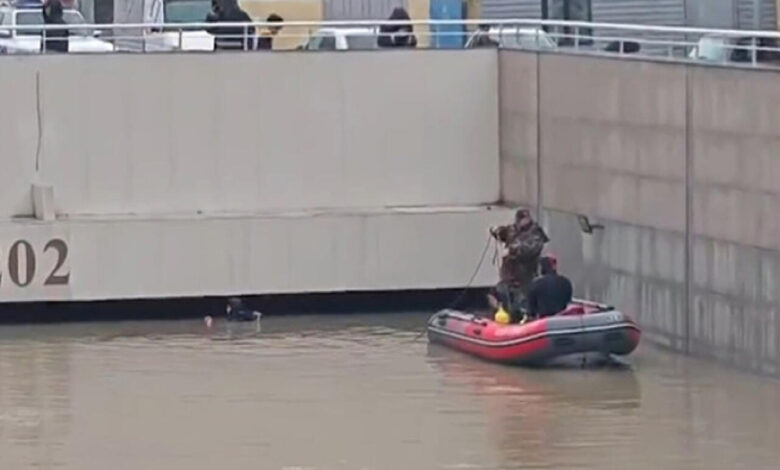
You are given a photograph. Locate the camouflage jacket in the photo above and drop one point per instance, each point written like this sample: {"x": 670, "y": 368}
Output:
{"x": 523, "y": 245}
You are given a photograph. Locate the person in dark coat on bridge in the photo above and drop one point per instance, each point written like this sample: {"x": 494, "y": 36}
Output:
{"x": 265, "y": 40}
{"x": 56, "y": 39}
{"x": 397, "y": 35}
{"x": 230, "y": 37}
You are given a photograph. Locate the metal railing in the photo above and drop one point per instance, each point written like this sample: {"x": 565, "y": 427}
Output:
{"x": 713, "y": 45}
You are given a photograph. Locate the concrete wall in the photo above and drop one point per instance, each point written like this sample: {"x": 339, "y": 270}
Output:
{"x": 252, "y": 132}
{"x": 326, "y": 251}
{"x": 518, "y": 132}
{"x": 613, "y": 148}
{"x": 211, "y": 174}
{"x": 618, "y": 143}
{"x": 736, "y": 201}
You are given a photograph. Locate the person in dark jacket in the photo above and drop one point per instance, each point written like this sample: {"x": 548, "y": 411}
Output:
{"x": 265, "y": 41}
{"x": 524, "y": 241}
{"x": 56, "y": 39}
{"x": 237, "y": 311}
{"x": 397, "y": 35}
{"x": 230, "y": 37}
{"x": 550, "y": 293}
{"x": 509, "y": 298}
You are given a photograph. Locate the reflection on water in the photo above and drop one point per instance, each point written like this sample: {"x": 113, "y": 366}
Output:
{"x": 355, "y": 392}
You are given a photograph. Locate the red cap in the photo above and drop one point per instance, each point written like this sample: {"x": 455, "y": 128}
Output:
{"x": 551, "y": 260}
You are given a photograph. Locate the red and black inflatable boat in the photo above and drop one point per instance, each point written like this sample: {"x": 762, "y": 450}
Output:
{"x": 584, "y": 327}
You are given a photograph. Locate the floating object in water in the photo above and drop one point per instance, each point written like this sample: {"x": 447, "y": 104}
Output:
{"x": 236, "y": 311}
{"x": 244, "y": 315}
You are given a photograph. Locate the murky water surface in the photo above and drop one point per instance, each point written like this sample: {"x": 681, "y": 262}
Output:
{"x": 357, "y": 392}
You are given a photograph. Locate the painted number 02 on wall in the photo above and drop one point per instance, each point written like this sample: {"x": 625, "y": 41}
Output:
{"x": 21, "y": 267}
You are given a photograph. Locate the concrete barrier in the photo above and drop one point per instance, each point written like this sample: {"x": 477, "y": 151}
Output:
{"x": 187, "y": 256}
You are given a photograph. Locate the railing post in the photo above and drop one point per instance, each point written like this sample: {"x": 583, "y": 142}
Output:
{"x": 43, "y": 39}
{"x": 622, "y": 46}
{"x": 181, "y": 39}
{"x": 536, "y": 36}
{"x": 246, "y": 37}
{"x": 577, "y": 38}
{"x": 143, "y": 39}
{"x": 753, "y": 52}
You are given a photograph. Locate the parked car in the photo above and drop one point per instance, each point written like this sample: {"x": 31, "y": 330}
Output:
{"x": 168, "y": 32}
{"x": 82, "y": 39}
{"x": 342, "y": 39}
{"x": 513, "y": 37}
{"x": 177, "y": 12}
{"x": 719, "y": 49}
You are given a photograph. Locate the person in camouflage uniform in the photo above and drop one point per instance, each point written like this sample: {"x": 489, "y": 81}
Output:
{"x": 524, "y": 241}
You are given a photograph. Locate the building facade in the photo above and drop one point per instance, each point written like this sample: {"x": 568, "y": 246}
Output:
{"x": 736, "y": 14}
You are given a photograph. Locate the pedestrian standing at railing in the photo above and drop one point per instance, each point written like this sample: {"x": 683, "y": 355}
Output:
{"x": 230, "y": 37}
{"x": 265, "y": 41}
{"x": 56, "y": 39}
{"x": 397, "y": 35}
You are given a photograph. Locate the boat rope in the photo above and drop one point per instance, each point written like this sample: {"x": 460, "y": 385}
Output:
{"x": 496, "y": 253}
{"x": 469, "y": 284}
{"x": 473, "y": 275}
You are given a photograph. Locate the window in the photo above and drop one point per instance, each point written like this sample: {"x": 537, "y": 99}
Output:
{"x": 328, "y": 42}
{"x": 35, "y": 17}
{"x": 571, "y": 10}
{"x": 3, "y": 31}
{"x": 322, "y": 41}
{"x": 29, "y": 18}
{"x": 186, "y": 11}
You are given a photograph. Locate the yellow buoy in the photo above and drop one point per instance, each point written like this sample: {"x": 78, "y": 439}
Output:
{"x": 501, "y": 316}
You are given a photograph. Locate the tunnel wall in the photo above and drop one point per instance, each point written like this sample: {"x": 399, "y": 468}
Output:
{"x": 680, "y": 165}
{"x": 180, "y": 133}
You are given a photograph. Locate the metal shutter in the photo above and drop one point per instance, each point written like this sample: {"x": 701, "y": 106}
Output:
{"x": 767, "y": 12}
{"x": 649, "y": 12}
{"x": 657, "y": 12}
{"x": 511, "y": 9}
{"x": 359, "y": 9}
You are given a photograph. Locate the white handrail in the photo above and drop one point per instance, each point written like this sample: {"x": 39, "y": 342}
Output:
{"x": 368, "y": 23}
{"x": 670, "y": 41}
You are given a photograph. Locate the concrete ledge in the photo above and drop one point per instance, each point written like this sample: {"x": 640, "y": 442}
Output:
{"x": 228, "y": 254}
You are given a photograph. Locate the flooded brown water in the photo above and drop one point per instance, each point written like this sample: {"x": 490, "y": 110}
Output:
{"x": 356, "y": 392}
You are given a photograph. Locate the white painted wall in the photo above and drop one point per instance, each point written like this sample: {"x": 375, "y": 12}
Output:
{"x": 161, "y": 134}
{"x": 286, "y": 253}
